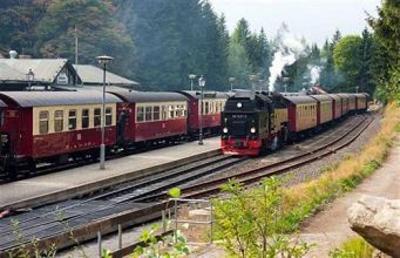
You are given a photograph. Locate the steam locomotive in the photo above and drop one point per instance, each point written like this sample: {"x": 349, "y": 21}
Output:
{"x": 253, "y": 123}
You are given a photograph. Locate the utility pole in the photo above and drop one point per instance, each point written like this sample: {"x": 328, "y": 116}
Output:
{"x": 76, "y": 45}
{"x": 76, "y": 53}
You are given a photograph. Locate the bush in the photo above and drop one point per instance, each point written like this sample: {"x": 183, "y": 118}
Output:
{"x": 353, "y": 248}
{"x": 249, "y": 222}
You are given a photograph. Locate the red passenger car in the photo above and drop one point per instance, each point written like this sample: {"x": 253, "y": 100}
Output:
{"x": 302, "y": 113}
{"x": 336, "y": 105}
{"x": 53, "y": 126}
{"x": 345, "y": 103}
{"x": 324, "y": 108}
{"x": 214, "y": 103}
{"x": 361, "y": 101}
{"x": 145, "y": 117}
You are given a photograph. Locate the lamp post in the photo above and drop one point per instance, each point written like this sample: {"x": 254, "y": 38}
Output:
{"x": 232, "y": 80}
{"x": 103, "y": 61}
{"x": 357, "y": 88}
{"x": 30, "y": 76}
{"x": 202, "y": 84}
{"x": 191, "y": 78}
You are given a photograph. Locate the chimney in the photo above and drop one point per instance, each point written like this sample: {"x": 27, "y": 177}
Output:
{"x": 13, "y": 54}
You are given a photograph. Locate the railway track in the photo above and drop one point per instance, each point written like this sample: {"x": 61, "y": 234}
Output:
{"x": 143, "y": 200}
{"x": 48, "y": 220}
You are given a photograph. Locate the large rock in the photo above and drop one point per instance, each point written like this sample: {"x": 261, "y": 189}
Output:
{"x": 377, "y": 220}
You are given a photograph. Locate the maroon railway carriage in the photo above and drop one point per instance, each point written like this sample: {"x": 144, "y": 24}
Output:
{"x": 53, "y": 126}
{"x": 336, "y": 106}
{"x": 345, "y": 103}
{"x": 352, "y": 102}
{"x": 146, "y": 117}
{"x": 361, "y": 101}
{"x": 324, "y": 108}
{"x": 214, "y": 103}
{"x": 302, "y": 113}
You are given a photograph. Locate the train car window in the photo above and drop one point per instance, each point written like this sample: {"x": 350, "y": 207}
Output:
{"x": 207, "y": 108}
{"x": 181, "y": 111}
{"x": 72, "y": 119}
{"x": 171, "y": 111}
{"x": 108, "y": 116}
{"x": 139, "y": 114}
{"x": 43, "y": 122}
{"x": 85, "y": 118}
{"x": 149, "y": 115}
{"x": 97, "y": 117}
{"x": 58, "y": 120}
{"x": 156, "y": 113}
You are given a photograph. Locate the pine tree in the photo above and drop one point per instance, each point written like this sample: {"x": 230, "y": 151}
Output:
{"x": 99, "y": 33}
{"x": 387, "y": 34}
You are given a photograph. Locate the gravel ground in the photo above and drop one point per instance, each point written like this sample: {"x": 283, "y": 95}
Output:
{"x": 302, "y": 174}
{"x": 315, "y": 169}
{"x": 306, "y": 172}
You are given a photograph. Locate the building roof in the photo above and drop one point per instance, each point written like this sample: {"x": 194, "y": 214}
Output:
{"x": 45, "y": 70}
{"x": 148, "y": 96}
{"x": 53, "y": 98}
{"x": 8, "y": 73}
{"x": 93, "y": 75}
{"x": 299, "y": 99}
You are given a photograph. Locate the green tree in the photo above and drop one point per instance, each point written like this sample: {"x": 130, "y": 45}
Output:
{"x": 18, "y": 21}
{"x": 347, "y": 59}
{"x": 239, "y": 66}
{"x": 175, "y": 38}
{"x": 99, "y": 33}
{"x": 387, "y": 32}
{"x": 248, "y": 222}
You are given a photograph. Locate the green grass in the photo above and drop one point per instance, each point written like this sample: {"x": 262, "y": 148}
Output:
{"x": 353, "y": 248}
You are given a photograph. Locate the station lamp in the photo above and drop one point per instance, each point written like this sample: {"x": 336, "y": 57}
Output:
{"x": 202, "y": 84}
{"x": 103, "y": 61}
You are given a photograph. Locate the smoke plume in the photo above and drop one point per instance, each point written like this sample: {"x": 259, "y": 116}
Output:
{"x": 288, "y": 49}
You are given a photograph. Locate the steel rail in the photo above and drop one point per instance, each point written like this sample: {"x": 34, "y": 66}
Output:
{"x": 152, "y": 210}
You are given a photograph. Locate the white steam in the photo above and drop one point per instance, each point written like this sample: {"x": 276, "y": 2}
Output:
{"x": 315, "y": 72}
{"x": 288, "y": 49}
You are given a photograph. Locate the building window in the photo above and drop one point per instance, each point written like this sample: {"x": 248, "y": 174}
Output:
{"x": 108, "y": 116}
{"x": 58, "y": 120}
{"x": 156, "y": 113}
{"x": 149, "y": 114}
{"x": 85, "y": 118}
{"x": 139, "y": 114}
{"x": 72, "y": 119}
{"x": 97, "y": 117}
{"x": 43, "y": 122}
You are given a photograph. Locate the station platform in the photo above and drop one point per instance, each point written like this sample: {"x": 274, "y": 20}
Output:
{"x": 90, "y": 176}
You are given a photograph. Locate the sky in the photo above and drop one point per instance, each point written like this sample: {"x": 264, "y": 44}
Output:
{"x": 316, "y": 20}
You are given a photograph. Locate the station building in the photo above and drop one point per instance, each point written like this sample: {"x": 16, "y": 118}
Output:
{"x": 25, "y": 73}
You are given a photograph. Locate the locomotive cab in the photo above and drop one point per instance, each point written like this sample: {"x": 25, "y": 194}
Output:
{"x": 246, "y": 122}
